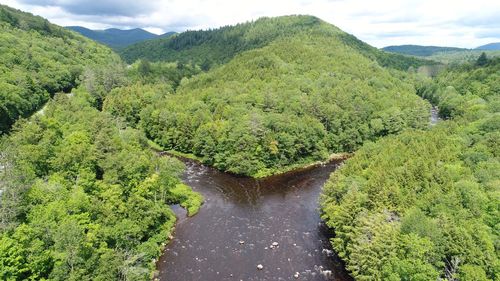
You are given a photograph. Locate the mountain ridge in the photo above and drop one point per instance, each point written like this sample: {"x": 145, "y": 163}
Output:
{"x": 218, "y": 46}
{"x": 117, "y": 38}
{"x": 420, "y": 50}
{"x": 490, "y": 46}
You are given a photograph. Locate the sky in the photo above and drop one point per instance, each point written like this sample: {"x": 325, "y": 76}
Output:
{"x": 457, "y": 23}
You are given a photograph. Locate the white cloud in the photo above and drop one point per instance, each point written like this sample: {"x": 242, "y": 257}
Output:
{"x": 427, "y": 22}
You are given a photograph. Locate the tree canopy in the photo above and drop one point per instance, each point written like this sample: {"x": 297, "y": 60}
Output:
{"x": 37, "y": 60}
{"x": 423, "y": 205}
{"x": 218, "y": 46}
{"x": 295, "y": 101}
{"x": 84, "y": 197}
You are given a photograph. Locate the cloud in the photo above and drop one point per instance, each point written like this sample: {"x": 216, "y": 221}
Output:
{"x": 380, "y": 23}
{"x": 399, "y": 34}
{"x": 487, "y": 19}
{"x": 101, "y": 7}
{"x": 489, "y": 33}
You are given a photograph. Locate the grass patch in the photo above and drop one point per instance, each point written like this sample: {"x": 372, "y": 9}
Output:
{"x": 188, "y": 199}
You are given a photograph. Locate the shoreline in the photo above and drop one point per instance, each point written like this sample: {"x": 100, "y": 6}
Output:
{"x": 267, "y": 174}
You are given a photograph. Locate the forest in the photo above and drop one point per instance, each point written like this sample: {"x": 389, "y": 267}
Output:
{"x": 425, "y": 203}
{"x": 213, "y": 47}
{"x": 82, "y": 194}
{"x": 236, "y": 119}
{"x": 39, "y": 59}
{"x": 85, "y": 195}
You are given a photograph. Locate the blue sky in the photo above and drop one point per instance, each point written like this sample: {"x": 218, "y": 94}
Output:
{"x": 380, "y": 23}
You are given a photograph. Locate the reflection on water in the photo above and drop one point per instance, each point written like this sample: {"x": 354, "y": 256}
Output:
{"x": 235, "y": 230}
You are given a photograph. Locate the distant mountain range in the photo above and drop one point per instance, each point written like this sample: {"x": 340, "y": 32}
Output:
{"x": 118, "y": 38}
{"x": 489, "y": 47}
{"x": 421, "y": 51}
{"x": 426, "y": 51}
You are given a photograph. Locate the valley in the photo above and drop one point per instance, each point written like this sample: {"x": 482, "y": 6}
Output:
{"x": 281, "y": 148}
{"x": 239, "y": 222}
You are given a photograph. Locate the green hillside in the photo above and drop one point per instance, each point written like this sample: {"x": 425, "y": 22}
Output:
{"x": 295, "y": 101}
{"x": 423, "y": 205}
{"x": 82, "y": 195}
{"x": 461, "y": 57}
{"x": 38, "y": 59}
{"x": 218, "y": 46}
{"x": 85, "y": 195}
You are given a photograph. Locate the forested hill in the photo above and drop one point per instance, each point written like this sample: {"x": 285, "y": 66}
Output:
{"x": 421, "y": 51}
{"x": 218, "y": 46}
{"x": 490, "y": 46}
{"x": 292, "y": 102}
{"x": 118, "y": 38}
{"x": 38, "y": 59}
{"x": 82, "y": 196}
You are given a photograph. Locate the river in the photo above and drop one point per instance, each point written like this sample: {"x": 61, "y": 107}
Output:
{"x": 239, "y": 222}
{"x": 434, "y": 116}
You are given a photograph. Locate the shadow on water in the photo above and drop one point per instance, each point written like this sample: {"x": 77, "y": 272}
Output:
{"x": 240, "y": 220}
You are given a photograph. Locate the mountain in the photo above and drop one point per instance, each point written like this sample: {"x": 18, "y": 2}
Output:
{"x": 491, "y": 46}
{"x": 39, "y": 59}
{"x": 294, "y": 90}
{"x": 118, "y": 38}
{"x": 421, "y": 51}
{"x": 218, "y": 46}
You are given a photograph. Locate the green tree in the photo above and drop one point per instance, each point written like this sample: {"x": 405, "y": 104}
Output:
{"x": 482, "y": 60}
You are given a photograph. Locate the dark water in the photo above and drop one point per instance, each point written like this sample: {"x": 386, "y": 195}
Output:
{"x": 240, "y": 220}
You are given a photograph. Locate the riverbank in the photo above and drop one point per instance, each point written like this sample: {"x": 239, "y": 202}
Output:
{"x": 263, "y": 174}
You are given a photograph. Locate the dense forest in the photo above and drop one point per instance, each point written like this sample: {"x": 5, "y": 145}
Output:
{"x": 85, "y": 195}
{"x": 82, "y": 195}
{"x": 217, "y": 46}
{"x": 39, "y": 59}
{"x": 295, "y": 101}
{"x": 423, "y": 205}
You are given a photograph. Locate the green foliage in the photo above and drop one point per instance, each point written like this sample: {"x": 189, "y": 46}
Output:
{"x": 461, "y": 57}
{"x": 218, "y": 46}
{"x": 189, "y": 199}
{"x": 466, "y": 90}
{"x": 482, "y": 60}
{"x": 161, "y": 72}
{"x": 295, "y": 101}
{"x": 386, "y": 59}
{"x": 128, "y": 101}
{"x": 84, "y": 197}
{"x": 423, "y": 205}
{"x": 37, "y": 60}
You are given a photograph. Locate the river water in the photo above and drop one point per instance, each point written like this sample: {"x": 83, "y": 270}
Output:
{"x": 239, "y": 222}
{"x": 434, "y": 116}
